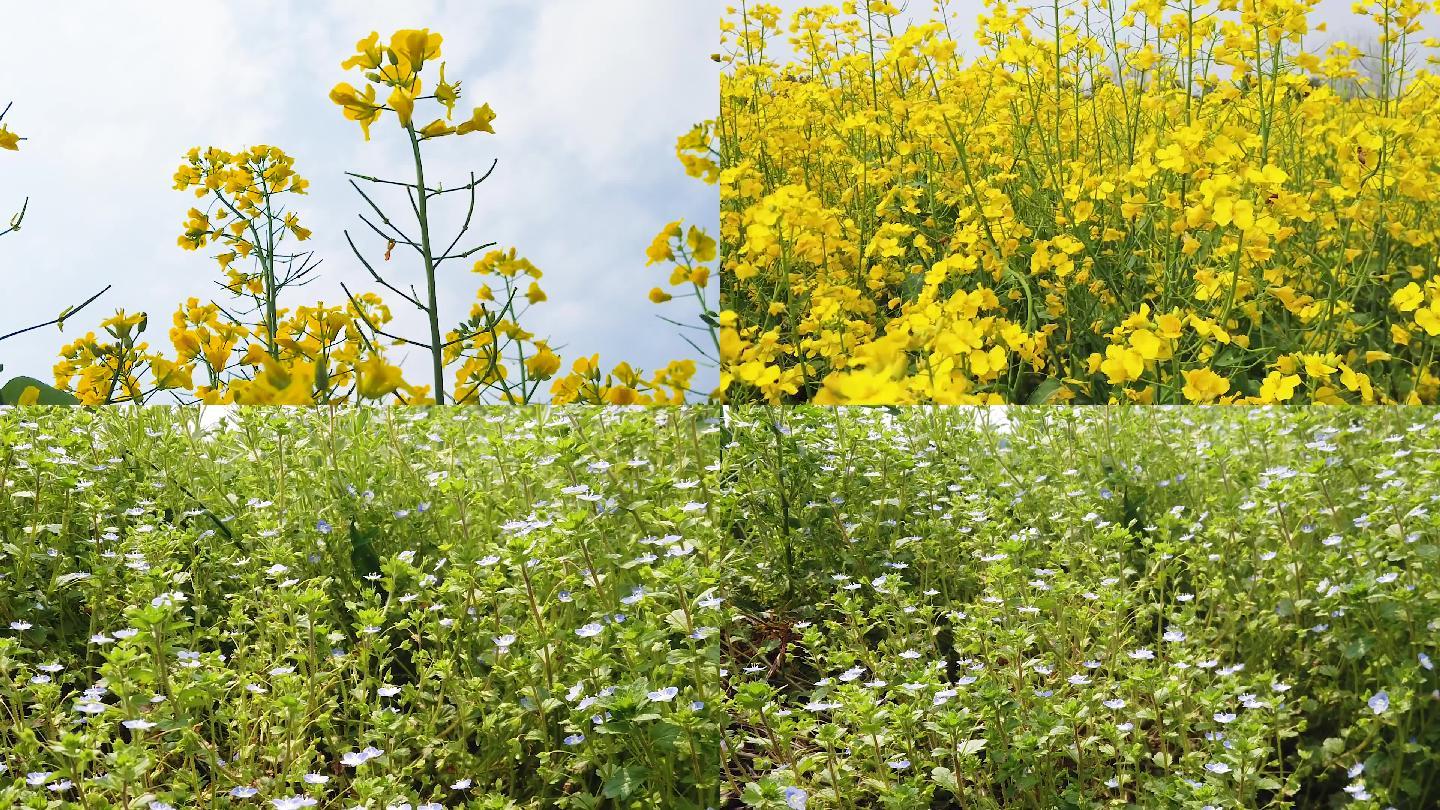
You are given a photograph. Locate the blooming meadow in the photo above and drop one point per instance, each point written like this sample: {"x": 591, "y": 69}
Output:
{"x": 497, "y": 608}
{"x": 1150, "y": 201}
{"x": 1198, "y": 608}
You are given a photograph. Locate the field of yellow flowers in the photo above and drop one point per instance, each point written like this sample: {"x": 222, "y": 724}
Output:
{"x": 1159, "y": 201}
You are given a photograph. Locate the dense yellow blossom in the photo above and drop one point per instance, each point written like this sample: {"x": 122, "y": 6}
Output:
{"x": 1168, "y": 202}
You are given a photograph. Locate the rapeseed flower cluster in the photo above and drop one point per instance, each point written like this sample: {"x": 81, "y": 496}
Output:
{"x": 260, "y": 348}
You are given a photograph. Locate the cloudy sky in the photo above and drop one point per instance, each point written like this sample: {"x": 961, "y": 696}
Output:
{"x": 1343, "y": 24}
{"x": 590, "y": 97}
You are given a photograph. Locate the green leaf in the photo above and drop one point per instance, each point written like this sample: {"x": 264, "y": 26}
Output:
{"x": 11, "y": 393}
{"x": 71, "y": 579}
{"x": 971, "y": 747}
{"x": 623, "y": 782}
{"x": 1044, "y": 391}
{"x": 944, "y": 777}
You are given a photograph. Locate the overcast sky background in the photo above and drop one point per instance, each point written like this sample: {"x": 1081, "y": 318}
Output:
{"x": 590, "y": 98}
{"x": 1343, "y": 24}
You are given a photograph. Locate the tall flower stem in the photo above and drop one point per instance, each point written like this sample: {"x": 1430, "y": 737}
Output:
{"x": 432, "y": 308}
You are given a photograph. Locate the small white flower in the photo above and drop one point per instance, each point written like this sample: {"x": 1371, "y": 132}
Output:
{"x": 168, "y": 599}
{"x": 355, "y": 759}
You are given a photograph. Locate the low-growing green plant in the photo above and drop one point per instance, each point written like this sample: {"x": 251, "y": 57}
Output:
{"x": 1082, "y": 608}
{"x": 498, "y": 608}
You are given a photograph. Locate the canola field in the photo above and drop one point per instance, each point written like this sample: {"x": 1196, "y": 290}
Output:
{"x": 1096, "y": 201}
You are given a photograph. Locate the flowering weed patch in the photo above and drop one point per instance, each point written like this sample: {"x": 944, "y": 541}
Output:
{"x": 1087, "y": 607}
{"x": 1158, "y": 201}
{"x": 480, "y": 608}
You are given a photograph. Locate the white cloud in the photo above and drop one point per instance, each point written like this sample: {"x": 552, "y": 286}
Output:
{"x": 590, "y": 98}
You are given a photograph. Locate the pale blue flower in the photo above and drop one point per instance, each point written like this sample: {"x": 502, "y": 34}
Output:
{"x": 1379, "y": 703}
